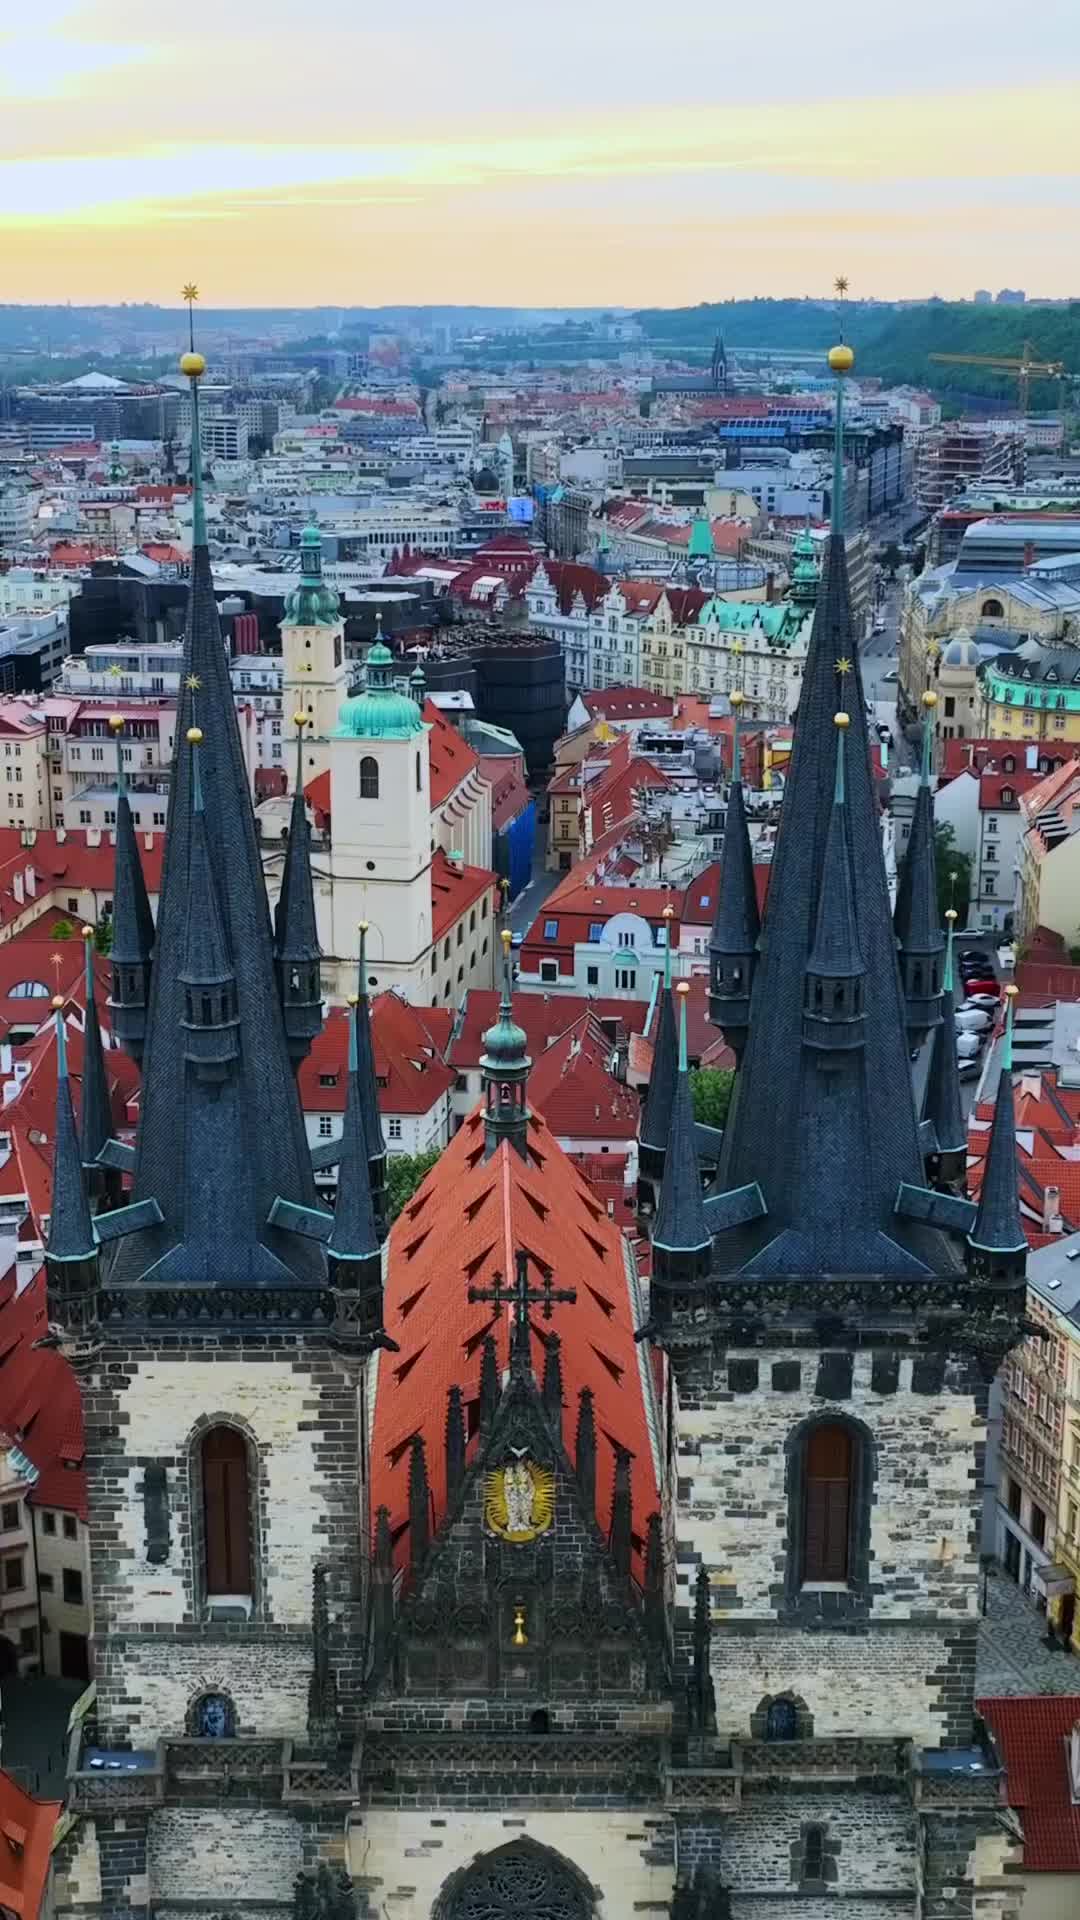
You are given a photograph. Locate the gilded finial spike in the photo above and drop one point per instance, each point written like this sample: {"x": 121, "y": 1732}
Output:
{"x": 521, "y": 1638}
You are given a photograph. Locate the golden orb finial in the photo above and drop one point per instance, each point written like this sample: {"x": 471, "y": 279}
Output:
{"x": 194, "y": 736}
{"x": 57, "y": 1002}
{"x": 354, "y": 999}
{"x": 841, "y": 358}
{"x": 929, "y": 698}
{"x": 1011, "y": 990}
{"x": 951, "y": 913}
{"x": 300, "y": 719}
{"x": 362, "y": 926}
{"x": 116, "y": 722}
{"x": 841, "y": 719}
{"x": 88, "y": 933}
{"x": 193, "y": 364}
{"x": 507, "y": 938}
{"x": 682, "y": 986}
{"x": 737, "y": 697}
{"x": 668, "y": 913}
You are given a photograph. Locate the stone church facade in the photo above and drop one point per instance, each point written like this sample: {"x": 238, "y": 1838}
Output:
{"x": 457, "y": 1572}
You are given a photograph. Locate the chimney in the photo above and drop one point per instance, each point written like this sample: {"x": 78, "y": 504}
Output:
{"x": 1031, "y": 1085}
{"x": 30, "y": 879}
{"x": 1029, "y": 554}
{"x": 1051, "y": 1210}
{"x": 93, "y": 836}
{"x": 770, "y": 586}
{"x": 17, "y": 888}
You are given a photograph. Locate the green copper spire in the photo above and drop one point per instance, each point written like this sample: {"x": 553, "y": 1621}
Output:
{"x": 805, "y": 574}
{"x": 194, "y": 366}
{"x": 682, "y": 1032}
{"x": 947, "y": 981}
{"x": 839, "y": 796}
{"x": 313, "y": 603}
{"x": 667, "y": 948}
{"x": 1007, "y": 1042}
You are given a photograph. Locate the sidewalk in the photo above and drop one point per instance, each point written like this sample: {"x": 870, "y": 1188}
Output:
{"x": 1013, "y": 1655}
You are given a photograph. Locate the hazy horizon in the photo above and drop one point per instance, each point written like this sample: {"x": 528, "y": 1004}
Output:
{"x": 585, "y": 161}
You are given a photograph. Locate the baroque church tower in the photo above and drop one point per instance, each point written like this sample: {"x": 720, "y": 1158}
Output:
{"x": 464, "y": 1575}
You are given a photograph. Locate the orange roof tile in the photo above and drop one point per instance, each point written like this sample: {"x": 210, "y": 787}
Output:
{"x": 464, "y": 1225}
{"x": 455, "y": 888}
{"x": 28, "y": 1826}
{"x": 1032, "y": 1733}
{"x": 409, "y": 1043}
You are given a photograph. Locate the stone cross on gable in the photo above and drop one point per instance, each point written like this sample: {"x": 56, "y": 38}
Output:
{"x": 522, "y": 1296}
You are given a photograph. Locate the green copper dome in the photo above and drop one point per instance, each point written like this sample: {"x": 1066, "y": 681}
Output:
{"x": 312, "y": 603}
{"x": 380, "y": 713}
{"x": 804, "y": 573}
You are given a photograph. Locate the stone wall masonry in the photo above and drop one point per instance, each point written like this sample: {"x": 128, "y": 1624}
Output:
{"x": 732, "y": 1493}
{"x": 154, "y": 1680}
{"x": 297, "y": 1402}
{"x": 241, "y": 1853}
{"x": 888, "y": 1684}
{"x": 400, "y": 1859}
{"x": 871, "y": 1843}
{"x": 77, "y": 1870}
{"x": 823, "y": 1907}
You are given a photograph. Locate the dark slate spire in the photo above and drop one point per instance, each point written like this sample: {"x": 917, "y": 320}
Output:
{"x": 368, "y": 1088}
{"x": 382, "y": 1591}
{"x": 701, "y": 1698}
{"x": 656, "y": 1116}
{"x": 833, "y": 1020}
{"x": 455, "y": 1445}
{"x": 489, "y": 1381}
{"x": 682, "y": 1243}
{"x": 354, "y": 1235}
{"x": 736, "y": 926}
{"x": 296, "y": 940}
{"x": 826, "y": 1152}
{"x": 997, "y": 1244}
{"x": 216, "y": 1154}
{"x": 71, "y": 1230}
{"x": 419, "y": 1505}
{"x": 133, "y": 924}
{"x": 210, "y": 1019}
{"x": 585, "y": 1449}
{"x": 918, "y": 930}
{"x": 96, "y": 1109}
{"x": 552, "y": 1390}
{"x": 504, "y": 1070}
{"x": 622, "y": 1518}
{"x": 944, "y": 1110}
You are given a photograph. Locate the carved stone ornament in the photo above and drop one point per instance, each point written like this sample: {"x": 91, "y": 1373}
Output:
{"x": 519, "y": 1501}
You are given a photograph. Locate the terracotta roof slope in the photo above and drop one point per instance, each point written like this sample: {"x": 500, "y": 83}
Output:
{"x": 28, "y": 1826}
{"x": 1032, "y": 1733}
{"x": 465, "y": 1225}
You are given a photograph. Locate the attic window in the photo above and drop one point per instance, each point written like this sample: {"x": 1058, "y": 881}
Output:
{"x": 473, "y": 1266}
{"x": 408, "y": 1305}
{"x": 551, "y": 929}
{"x": 473, "y": 1206}
{"x": 328, "y": 1079}
{"x": 538, "y": 1207}
{"x": 476, "y": 1340}
{"x": 612, "y": 1366}
{"x": 605, "y": 1305}
{"x": 417, "y": 1206}
{"x": 413, "y": 1246}
{"x": 591, "y": 1207}
{"x": 597, "y": 1246}
{"x": 398, "y": 1453}
{"x": 402, "y": 1373}
{"x": 475, "y": 1157}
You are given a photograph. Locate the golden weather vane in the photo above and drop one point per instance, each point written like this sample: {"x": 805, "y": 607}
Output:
{"x": 191, "y": 294}
{"x": 843, "y": 666}
{"x": 840, "y": 285}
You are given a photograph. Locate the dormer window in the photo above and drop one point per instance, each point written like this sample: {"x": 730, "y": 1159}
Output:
{"x": 1007, "y": 796}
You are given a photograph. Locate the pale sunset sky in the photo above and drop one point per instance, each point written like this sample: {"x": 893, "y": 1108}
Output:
{"x": 576, "y": 152}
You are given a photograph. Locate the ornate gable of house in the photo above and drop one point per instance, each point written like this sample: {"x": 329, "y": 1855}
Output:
{"x": 519, "y": 1594}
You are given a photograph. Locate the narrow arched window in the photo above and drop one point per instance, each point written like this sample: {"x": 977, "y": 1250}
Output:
{"x": 827, "y": 1515}
{"x": 369, "y": 777}
{"x": 781, "y": 1722}
{"x": 227, "y": 1513}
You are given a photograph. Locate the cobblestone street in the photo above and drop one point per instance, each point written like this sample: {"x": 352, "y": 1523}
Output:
{"x": 1013, "y": 1654}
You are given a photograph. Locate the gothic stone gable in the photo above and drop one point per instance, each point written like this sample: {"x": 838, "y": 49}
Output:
{"x": 519, "y": 1598}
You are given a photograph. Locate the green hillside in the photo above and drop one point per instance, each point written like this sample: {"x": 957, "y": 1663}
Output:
{"x": 894, "y": 343}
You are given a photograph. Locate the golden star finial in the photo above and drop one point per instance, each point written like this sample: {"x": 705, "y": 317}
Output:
{"x": 736, "y": 646}
{"x": 56, "y": 962}
{"x": 115, "y": 670}
{"x": 840, "y": 284}
{"x": 843, "y": 666}
{"x": 191, "y": 294}
{"x": 193, "y": 683}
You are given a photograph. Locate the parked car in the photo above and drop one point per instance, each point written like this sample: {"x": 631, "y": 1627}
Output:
{"x": 968, "y": 1069}
{"x": 973, "y": 1022}
{"x": 973, "y": 987}
{"x": 967, "y": 1046}
{"x": 988, "y": 1001}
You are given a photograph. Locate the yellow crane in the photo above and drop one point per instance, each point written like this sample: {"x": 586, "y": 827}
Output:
{"x": 1023, "y": 366}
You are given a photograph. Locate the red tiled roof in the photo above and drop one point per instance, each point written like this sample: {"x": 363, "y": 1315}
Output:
{"x": 699, "y": 905}
{"x": 28, "y": 1826}
{"x": 70, "y": 864}
{"x": 464, "y": 1225}
{"x": 40, "y": 1403}
{"x": 450, "y": 757}
{"x": 409, "y": 1044}
{"x": 569, "y": 578}
{"x": 627, "y": 703}
{"x": 1032, "y": 1732}
{"x": 571, "y": 1086}
{"x": 993, "y": 785}
{"x": 544, "y": 1017}
{"x": 454, "y": 889}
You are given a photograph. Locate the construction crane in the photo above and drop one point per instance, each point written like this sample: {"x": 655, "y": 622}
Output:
{"x": 1023, "y": 366}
